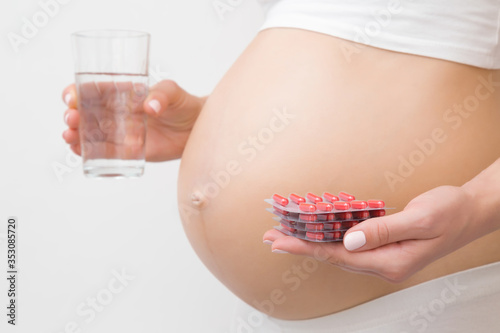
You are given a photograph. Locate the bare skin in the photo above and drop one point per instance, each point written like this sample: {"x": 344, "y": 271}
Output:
{"x": 293, "y": 115}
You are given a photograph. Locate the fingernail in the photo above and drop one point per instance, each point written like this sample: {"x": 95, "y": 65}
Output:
{"x": 279, "y": 251}
{"x": 354, "y": 240}
{"x": 66, "y": 118}
{"x": 155, "y": 105}
{"x": 268, "y": 242}
{"x": 67, "y": 98}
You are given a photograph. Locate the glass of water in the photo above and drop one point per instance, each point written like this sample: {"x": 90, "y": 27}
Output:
{"x": 111, "y": 76}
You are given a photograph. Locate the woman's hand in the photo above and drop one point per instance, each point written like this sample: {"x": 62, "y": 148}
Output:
{"x": 171, "y": 113}
{"x": 396, "y": 246}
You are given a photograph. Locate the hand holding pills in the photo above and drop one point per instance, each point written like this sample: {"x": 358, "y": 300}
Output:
{"x": 396, "y": 246}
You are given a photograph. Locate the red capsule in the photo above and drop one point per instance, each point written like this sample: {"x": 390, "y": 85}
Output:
{"x": 333, "y": 235}
{"x": 330, "y": 197}
{"x": 324, "y": 206}
{"x": 350, "y": 224}
{"x": 292, "y": 230}
{"x": 313, "y": 198}
{"x": 341, "y": 205}
{"x": 346, "y": 197}
{"x": 376, "y": 204}
{"x": 297, "y": 198}
{"x": 359, "y": 204}
{"x": 361, "y": 215}
{"x": 337, "y": 225}
{"x": 281, "y": 200}
{"x": 305, "y": 207}
{"x": 343, "y": 216}
{"x": 315, "y": 235}
{"x": 330, "y": 217}
{"x": 377, "y": 213}
{"x": 328, "y": 226}
{"x": 281, "y": 211}
{"x": 326, "y": 217}
{"x": 308, "y": 217}
{"x": 315, "y": 226}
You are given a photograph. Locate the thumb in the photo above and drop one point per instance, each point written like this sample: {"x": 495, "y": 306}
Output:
{"x": 380, "y": 231}
{"x": 164, "y": 95}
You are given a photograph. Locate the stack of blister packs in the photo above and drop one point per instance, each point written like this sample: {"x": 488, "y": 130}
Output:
{"x": 321, "y": 219}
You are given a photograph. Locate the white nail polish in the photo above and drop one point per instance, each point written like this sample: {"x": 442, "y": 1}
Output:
{"x": 354, "y": 240}
{"x": 155, "y": 105}
{"x": 279, "y": 251}
{"x": 66, "y": 118}
{"x": 67, "y": 98}
{"x": 268, "y": 242}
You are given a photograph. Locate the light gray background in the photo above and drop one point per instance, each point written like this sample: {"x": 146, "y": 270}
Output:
{"x": 74, "y": 232}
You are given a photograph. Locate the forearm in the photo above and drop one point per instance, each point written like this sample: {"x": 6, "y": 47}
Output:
{"x": 485, "y": 192}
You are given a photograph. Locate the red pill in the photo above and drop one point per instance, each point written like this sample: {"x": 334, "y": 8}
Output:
{"x": 330, "y": 197}
{"x": 297, "y": 198}
{"x": 343, "y": 216}
{"x": 330, "y": 217}
{"x": 323, "y": 217}
{"x": 341, "y": 205}
{"x": 308, "y": 217}
{"x": 361, "y": 215}
{"x": 350, "y": 224}
{"x": 326, "y": 217}
{"x": 377, "y": 213}
{"x": 328, "y": 226}
{"x": 281, "y": 200}
{"x": 281, "y": 211}
{"x": 313, "y": 198}
{"x": 376, "y": 203}
{"x": 324, "y": 206}
{"x": 292, "y": 230}
{"x": 289, "y": 221}
{"x": 305, "y": 207}
{"x": 315, "y": 226}
{"x": 315, "y": 235}
{"x": 333, "y": 235}
{"x": 337, "y": 225}
{"x": 346, "y": 197}
{"x": 359, "y": 204}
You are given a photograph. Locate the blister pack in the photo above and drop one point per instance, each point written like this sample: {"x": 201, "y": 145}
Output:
{"x": 323, "y": 218}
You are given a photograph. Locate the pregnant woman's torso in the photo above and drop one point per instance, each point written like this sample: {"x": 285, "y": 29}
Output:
{"x": 297, "y": 113}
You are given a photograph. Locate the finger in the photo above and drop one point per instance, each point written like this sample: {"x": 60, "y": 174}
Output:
{"x": 71, "y": 136}
{"x": 76, "y": 148}
{"x": 376, "y": 232}
{"x": 69, "y": 96}
{"x": 390, "y": 262}
{"x": 393, "y": 262}
{"x": 283, "y": 243}
{"x": 72, "y": 118}
{"x": 333, "y": 253}
{"x": 163, "y": 95}
{"x": 272, "y": 235}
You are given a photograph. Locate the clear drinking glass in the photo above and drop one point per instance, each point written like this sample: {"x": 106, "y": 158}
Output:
{"x": 111, "y": 76}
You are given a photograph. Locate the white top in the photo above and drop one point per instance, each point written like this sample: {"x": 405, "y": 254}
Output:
{"x": 463, "y": 31}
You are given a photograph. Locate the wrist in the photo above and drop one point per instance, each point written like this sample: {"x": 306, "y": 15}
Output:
{"x": 485, "y": 203}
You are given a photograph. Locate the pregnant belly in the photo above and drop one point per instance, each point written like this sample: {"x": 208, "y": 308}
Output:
{"x": 296, "y": 113}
